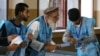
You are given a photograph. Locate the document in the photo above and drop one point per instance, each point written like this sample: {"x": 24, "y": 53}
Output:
{"x": 65, "y": 44}
{"x": 18, "y": 40}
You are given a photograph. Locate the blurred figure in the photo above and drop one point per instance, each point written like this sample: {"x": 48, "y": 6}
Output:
{"x": 80, "y": 32}
{"x": 41, "y": 28}
{"x": 15, "y": 26}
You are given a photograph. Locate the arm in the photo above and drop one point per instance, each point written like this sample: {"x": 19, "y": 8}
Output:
{"x": 35, "y": 44}
{"x": 5, "y": 49}
{"x": 68, "y": 38}
{"x": 4, "y": 41}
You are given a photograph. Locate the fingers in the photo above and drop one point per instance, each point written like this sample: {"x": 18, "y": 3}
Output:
{"x": 12, "y": 47}
{"x": 51, "y": 47}
{"x": 30, "y": 36}
{"x": 72, "y": 40}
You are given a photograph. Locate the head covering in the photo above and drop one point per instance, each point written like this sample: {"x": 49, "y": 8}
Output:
{"x": 50, "y": 10}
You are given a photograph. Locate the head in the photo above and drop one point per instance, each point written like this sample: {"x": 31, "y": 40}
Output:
{"x": 74, "y": 16}
{"x": 52, "y": 14}
{"x": 21, "y": 11}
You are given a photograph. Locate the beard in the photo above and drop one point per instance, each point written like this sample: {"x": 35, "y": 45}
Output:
{"x": 52, "y": 25}
{"x": 25, "y": 19}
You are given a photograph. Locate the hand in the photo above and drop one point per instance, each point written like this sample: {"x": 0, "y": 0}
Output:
{"x": 30, "y": 36}
{"x": 23, "y": 44}
{"x": 72, "y": 40}
{"x": 12, "y": 47}
{"x": 11, "y": 37}
{"x": 58, "y": 46}
{"x": 50, "y": 47}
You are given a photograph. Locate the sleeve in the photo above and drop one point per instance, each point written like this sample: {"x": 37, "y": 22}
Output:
{"x": 66, "y": 36}
{"x": 36, "y": 45}
{"x": 90, "y": 30}
{"x": 67, "y": 33}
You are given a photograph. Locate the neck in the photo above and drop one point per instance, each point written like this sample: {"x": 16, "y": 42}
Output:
{"x": 17, "y": 21}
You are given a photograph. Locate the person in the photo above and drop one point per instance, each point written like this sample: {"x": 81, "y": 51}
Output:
{"x": 80, "y": 32}
{"x": 15, "y": 26}
{"x": 41, "y": 28}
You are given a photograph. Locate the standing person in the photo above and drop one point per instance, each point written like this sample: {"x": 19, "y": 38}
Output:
{"x": 80, "y": 31}
{"x": 41, "y": 28}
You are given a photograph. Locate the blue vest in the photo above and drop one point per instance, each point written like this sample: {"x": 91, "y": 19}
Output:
{"x": 44, "y": 34}
{"x": 11, "y": 29}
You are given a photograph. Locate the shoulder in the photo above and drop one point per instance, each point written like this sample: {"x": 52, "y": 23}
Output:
{"x": 35, "y": 23}
{"x": 90, "y": 21}
{"x": 69, "y": 24}
{"x": 1, "y": 23}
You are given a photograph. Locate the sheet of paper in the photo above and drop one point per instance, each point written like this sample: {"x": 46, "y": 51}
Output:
{"x": 65, "y": 44}
{"x": 18, "y": 40}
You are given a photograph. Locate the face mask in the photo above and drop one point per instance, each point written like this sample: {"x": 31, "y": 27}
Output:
{"x": 52, "y": 25}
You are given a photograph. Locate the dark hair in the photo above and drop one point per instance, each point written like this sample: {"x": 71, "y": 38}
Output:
{"x": 50, "y": 10}
{"x": 74, "y": 14}
{"x": 20, "y": 7}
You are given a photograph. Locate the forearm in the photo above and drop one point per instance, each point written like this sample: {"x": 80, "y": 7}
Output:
{"x": 88, "y": 39}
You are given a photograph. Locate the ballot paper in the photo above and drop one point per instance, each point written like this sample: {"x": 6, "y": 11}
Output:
{"x": 18, "y": 40}
{"x": 64, "y": 44}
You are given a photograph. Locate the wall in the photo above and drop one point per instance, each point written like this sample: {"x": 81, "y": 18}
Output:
{"x": 87, "y": 8}
{"x": 43, "y": 4}
{"x": 97, "y": 12}
{"x": 3, "y": 9}
{"x": 32, "y": 8}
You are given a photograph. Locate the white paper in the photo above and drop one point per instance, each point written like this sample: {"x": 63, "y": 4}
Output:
{"x": 18, "y": 40}
{"x": 65, "y": 44}
{"x": 36, "y": 45}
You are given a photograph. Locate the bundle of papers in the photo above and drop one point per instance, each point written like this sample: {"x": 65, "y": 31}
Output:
{"x": 18, "y": 40}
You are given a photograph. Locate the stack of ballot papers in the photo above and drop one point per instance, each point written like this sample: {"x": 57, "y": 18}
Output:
{"x": 18, "y": 40}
